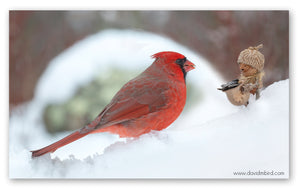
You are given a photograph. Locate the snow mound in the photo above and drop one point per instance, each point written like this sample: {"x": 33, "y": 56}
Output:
{"x": 253, "y": 139}
{"x": 212, "y": 140}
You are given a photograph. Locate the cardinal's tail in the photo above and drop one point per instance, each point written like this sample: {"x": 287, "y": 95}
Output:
{"x": 52, "y": 147}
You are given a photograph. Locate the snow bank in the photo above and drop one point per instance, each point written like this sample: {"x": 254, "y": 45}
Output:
{"x": 212, "y": 140}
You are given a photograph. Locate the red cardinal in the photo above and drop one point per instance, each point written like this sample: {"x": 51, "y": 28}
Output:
{"x": 151, "y": 101}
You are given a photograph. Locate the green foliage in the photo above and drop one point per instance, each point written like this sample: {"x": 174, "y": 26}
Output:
{"x": 87, "y": 102}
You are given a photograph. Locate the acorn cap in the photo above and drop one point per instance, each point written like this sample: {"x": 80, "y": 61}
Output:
{"x": 252, "y": 57}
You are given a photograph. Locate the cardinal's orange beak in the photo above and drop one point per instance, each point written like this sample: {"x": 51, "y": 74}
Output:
{"x": 188, "y": 66}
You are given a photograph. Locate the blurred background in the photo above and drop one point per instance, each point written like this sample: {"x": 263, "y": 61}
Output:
{"x": 36, "y": 37}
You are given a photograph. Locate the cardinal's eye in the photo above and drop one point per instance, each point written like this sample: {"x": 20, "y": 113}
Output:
{"x": 181, "y": 61}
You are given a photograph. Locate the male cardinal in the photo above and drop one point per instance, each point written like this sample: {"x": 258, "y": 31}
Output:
{"x": 151, "y": 101}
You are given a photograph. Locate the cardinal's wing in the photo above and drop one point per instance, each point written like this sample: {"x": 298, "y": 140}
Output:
{"x": 137, "y": 98}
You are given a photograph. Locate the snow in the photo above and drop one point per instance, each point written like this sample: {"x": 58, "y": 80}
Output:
{"x": 211, "y": 140}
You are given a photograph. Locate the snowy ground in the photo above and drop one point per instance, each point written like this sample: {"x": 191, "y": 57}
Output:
{"x": 212, "y": 140}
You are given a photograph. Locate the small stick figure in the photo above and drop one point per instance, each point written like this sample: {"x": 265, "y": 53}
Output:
{"x": 251, "y": 63}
